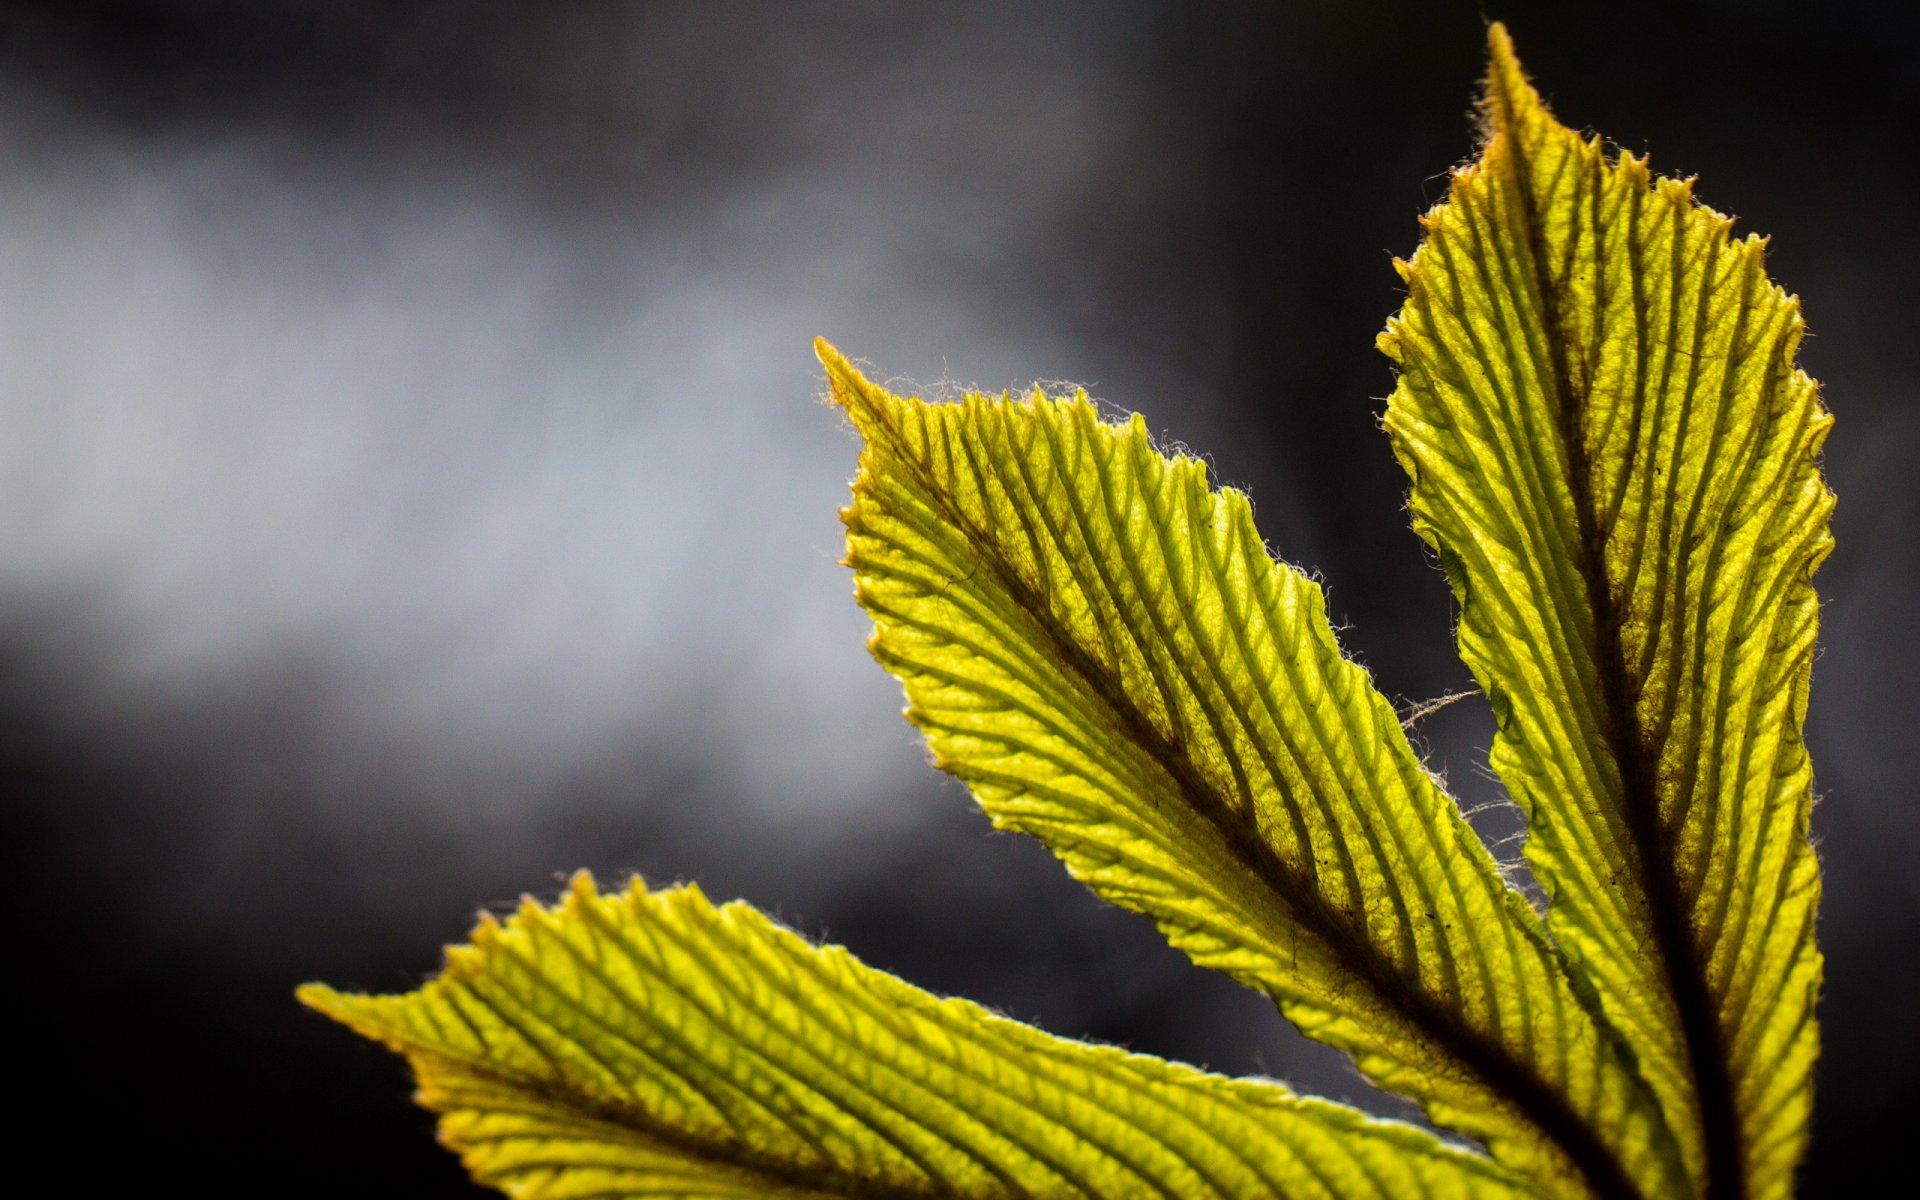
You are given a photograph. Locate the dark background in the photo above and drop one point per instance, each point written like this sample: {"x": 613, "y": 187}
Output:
{"x": 412, "y": 484}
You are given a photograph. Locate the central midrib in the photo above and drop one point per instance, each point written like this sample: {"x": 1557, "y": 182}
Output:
{"x": 1528, "y": 1093}
{"x": 1640, "y": 801}
{"x": 1524, "y": 1090}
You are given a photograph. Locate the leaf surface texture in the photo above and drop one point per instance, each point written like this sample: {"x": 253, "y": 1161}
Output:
{"x": 648, "y": 1044}
{"x": 1615, "y": 456}
{"x": 1100, "y": 645}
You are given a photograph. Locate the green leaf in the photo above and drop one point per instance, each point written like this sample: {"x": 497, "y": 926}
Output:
{"x": 1616, "y": 459}
{"x": 1101, "y": 646}
{"x": 651, "y": 1045}
{"x": 1614, "y": 455}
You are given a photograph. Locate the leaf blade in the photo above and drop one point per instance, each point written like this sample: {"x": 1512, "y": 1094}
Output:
{"x": 1614, "y": 455}
{"x": 1100, "y": 645}
{"x": 650, "y": 1044}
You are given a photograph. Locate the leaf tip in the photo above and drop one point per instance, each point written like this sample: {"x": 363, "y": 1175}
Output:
{"x": 828, "y": 353}
{"x": 842, "y": 376}
{"x": 848, "y": 389}
{"x": 1510, "y": 99}
{"x": 1500, "y": 44}
{"x": 319, "y": 997}
{"x": 345, "y": 1007}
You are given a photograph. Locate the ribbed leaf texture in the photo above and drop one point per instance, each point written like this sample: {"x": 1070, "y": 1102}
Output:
{"x": 648, "y": 1044}
{"x": 1099, "y": 644}
{"x": 1614, "y": 455}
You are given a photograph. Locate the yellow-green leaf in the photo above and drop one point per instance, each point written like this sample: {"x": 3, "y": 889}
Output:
{"x": 1614, "y": 455}
{"x": 648, "y": 1044}
{"x": 1101, "y": 646}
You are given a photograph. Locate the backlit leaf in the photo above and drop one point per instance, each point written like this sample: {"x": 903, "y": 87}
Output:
{"x": 1100, "y": 645}
{"x": 651, "y": 1045}
{"x": 1614, "y": 455}
{"x": 1616, "y": 460}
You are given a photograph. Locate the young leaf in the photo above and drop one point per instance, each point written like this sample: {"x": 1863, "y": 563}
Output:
{"x": 651, "y": 1045}
{"x": 1614, "y": 455}
{"x": 1100, "y": 645}
{"x": 1616, "y": 459}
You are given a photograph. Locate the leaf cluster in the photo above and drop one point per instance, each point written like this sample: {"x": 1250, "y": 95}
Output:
{"x": 1614, "y": 456}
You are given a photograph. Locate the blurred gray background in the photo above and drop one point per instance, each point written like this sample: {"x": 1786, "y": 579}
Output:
{"x": 413, "y": 485}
